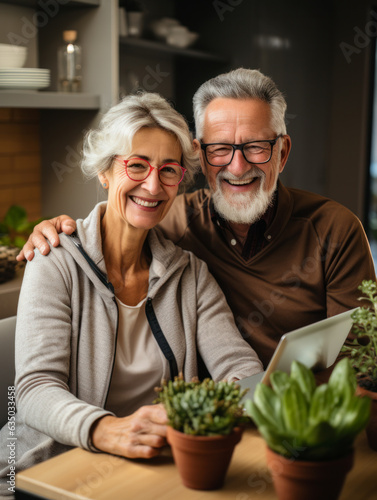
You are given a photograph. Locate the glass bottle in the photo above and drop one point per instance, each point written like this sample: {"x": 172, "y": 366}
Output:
{"x": 69, "y": 64}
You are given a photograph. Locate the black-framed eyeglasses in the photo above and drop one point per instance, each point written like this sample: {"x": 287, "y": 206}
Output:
{"x": 138, "y": 169}
{"x": 256, "y": 152}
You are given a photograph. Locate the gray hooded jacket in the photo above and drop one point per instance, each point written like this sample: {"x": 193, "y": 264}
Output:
{"x": 67, "y": 330}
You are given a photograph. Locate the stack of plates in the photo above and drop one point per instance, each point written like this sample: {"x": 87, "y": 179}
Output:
{"x": 24, "y": 78}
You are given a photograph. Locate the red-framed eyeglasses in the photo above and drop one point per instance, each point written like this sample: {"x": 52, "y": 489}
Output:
{"x": 138, "y": 169}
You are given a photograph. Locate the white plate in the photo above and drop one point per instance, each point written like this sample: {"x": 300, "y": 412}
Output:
{"x": 24, "y": 77}
{"x": 24, "y": 71}
{"x": 12, "y": 85}
{"x": 24, "y": 82}
{"x": 24, "y": 86}
{"x": 29, "y": 79}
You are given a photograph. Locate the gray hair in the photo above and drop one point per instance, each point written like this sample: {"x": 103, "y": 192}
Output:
{"x": 119, "y": 125}
{"x": 240, "y": 84}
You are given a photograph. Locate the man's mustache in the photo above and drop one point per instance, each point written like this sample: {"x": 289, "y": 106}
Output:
{"x": 250, "y": 174}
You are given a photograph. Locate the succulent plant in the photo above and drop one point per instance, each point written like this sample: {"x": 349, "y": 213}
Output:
{"x": 305, "y": 422}
{"x": 363, "y": 349}
{"x": 204, "y": 408}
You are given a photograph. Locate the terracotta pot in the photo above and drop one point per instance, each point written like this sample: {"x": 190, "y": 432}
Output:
{"x": 372, "y": 425}
{"x": 202, "y": 461}
{"x": 298, "y": 480}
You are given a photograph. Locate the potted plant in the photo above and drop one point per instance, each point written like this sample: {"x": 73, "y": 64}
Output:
{"x": 309, "y": 430}
{"x": 204, "y": 421}
{"x": 363, "y": 352}
{"x": 14, "y": 231}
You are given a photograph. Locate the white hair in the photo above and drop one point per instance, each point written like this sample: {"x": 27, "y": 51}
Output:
{"x": 119, "y": 125}
{"x": 240, "y": 84}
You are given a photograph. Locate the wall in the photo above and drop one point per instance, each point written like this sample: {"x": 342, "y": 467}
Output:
{"x": 20, "y": 161}
{"x": 351, "y": 105}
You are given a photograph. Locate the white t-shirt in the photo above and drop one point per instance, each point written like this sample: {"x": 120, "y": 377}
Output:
{"x": 138, "y": 362}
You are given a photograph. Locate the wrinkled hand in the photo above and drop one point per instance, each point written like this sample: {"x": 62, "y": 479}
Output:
{"x": 140, "y": 435}
{"x": 46, "y": 230}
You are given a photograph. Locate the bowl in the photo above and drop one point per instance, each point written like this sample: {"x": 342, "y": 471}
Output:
{"x": 6, "y": 47}
{"x": 180, "y": 36}
{"x": 12, "y": 56}
{"x": 161, "y": 27}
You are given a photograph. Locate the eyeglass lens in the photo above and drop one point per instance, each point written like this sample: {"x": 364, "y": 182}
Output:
{"x": 169, "y": 174}
{"x": 254, "y": 152}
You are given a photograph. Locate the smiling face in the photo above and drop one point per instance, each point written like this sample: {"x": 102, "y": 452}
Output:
{"x": 143, "y": 204}
{"x": 242, "y": 191}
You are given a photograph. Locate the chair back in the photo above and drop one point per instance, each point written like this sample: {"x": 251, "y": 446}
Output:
{"x": 7, "y": 366}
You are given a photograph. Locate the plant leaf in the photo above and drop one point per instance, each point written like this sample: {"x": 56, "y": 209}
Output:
{"x": 294, "y": 409}
{"x": 19, "y": 241}
{"x": 321, "y": 405}
{"x": 342, "y": 376}
{"x": 276, "y": 440}
{"x": 355, "y": 418}
{"x": 279, "y": 381}
{"x": 319, "y": 434}
{"x": 305, "y": 379}
{"x": 269, "y": 404}
{"x": 258, "y": 417}
{"x": 15, "y": 217}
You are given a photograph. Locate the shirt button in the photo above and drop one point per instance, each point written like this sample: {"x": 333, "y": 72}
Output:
{"x": 233, "y": 242}
{"x": 269, "y": 236}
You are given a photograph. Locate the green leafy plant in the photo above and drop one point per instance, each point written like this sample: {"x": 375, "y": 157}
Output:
{"x": 15, "y": 227}
{"x": 363, "y": 349}
{"x": 299, "y": 420}
{"x": 204, "y": 408}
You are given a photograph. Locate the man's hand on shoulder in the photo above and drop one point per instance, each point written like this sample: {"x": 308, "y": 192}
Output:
{"x": 46, "y": 230}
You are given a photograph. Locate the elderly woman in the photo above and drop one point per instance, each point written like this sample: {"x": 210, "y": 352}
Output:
{"x": 117, "y": 307}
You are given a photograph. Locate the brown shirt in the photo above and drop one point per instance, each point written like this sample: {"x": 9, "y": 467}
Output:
{"x": 317, "y": 255}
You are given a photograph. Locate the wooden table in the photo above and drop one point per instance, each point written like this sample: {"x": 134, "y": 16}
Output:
{"x": 79, "y": 474}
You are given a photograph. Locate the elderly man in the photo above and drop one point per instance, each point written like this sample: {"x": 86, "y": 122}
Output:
{"x": 284, "y": 257}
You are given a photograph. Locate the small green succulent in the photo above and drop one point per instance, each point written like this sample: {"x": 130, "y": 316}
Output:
{"x": 204, "y": 408}
{"x": 305, "y": 422}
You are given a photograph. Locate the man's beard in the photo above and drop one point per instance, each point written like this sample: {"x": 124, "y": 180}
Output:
{"x": 243, "y": 208}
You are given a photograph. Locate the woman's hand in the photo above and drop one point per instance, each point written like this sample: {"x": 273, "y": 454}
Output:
{"x": 140, "y": 435}
{"x": 47, "y": 229}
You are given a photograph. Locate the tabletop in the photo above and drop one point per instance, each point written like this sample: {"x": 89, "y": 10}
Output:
{"x": 80, "y": 474}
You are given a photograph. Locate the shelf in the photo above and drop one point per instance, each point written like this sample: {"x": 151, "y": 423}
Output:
{"x": 36, "y": 3}
{"x": 51, "y": 100}
{"x": 163, "y": 48}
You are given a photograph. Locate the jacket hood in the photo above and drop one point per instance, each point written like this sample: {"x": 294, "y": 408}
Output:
{"x": 166, "y": 257}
